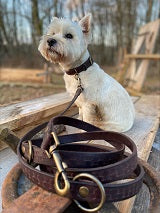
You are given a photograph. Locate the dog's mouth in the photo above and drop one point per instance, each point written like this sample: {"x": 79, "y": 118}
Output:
{"x": 54, "y": 55}
{"x": 52, "y": 50}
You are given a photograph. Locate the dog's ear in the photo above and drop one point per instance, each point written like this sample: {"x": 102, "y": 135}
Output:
{"x": 85, "y": 23}
{"x": 54, "y": 19}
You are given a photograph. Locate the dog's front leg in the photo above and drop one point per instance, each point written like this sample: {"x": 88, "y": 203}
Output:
{"x": 89, "y": 113}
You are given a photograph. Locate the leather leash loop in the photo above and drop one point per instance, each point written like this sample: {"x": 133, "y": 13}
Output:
{"x": 50, "y": 127}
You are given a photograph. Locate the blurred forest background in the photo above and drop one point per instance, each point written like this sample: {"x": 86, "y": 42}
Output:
{"x": 115, "y": 25}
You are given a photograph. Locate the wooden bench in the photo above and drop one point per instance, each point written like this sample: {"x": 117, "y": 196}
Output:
{"x": 23, "y": 116}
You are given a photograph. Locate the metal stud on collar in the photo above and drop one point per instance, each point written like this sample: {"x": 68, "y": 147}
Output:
{"x": 78, "y": 79}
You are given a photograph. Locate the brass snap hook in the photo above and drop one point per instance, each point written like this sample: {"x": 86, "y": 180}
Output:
{"x": 59, "y": 190}
{"x": 61, "y": 166}
{"x": 100, "y": 186}
{"x": 55, "y": 138}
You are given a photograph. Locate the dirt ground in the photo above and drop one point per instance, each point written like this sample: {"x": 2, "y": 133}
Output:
{"x": 18, "y": 91}
{"x": 10, "y": 94}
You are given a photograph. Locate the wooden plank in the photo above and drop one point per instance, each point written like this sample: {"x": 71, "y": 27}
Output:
{"x": 142, "y": 133}
{"x": 22, "y": 117}
{"x": 132, "y": 68}
{"x": 23, "y": 75}
{"x": 143, "y": 56}
{"x": 143, "y": 198}
{"x": 16, "y": 116}
{"x": 35, "y": 113}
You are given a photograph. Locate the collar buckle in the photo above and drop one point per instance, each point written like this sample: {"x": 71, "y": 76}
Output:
{"x": 91, "y": 60}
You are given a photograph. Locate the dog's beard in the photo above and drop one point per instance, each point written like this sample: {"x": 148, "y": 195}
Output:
{"x": 54, "y": 55}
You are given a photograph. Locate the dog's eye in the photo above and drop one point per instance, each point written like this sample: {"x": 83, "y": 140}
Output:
{"x": 68, "y": 35}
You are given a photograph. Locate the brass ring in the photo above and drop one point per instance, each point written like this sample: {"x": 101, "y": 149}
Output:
{"x": 100, "y": 186}
{"x": 30, "y": 151}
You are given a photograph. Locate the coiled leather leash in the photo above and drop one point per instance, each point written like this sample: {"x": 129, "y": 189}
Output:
{"x": 80, "y": 171}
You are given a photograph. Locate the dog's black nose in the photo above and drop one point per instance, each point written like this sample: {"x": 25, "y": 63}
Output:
{"x": 51, "y": 42}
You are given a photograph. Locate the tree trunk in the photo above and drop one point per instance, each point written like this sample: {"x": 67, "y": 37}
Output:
{"x": 2, "y": 24}
{"x": 55, "y": 3}
{"x": 36, "y": 22}
{"x": 15, "y": 24}
{"x": 149, "y": 11}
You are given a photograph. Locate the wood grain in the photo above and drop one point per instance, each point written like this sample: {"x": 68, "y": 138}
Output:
{"x": 16, "y": 116}
{"x": 143, "y": 56}
{"x": 143, "y": 134}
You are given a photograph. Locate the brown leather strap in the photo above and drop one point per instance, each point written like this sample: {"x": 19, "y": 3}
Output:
{"x": 49, "y": 127}
{"x": 81, "y": 68}
{"x": 107, "y": 164}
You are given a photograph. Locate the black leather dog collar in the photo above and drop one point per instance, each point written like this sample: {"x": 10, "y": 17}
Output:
{"x": 81, "y": 68}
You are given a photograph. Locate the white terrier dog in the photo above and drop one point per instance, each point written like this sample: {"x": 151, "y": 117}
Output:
{"x": 103, "y": 102}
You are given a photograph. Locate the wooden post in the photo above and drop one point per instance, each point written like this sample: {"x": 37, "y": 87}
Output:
{"x": 146, "y": 41}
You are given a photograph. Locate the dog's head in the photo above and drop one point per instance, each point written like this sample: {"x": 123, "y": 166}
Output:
{"x": 65, "y": 41}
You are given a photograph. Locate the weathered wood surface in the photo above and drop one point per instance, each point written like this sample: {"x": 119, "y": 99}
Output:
{"x": 28, "y": 113}
{"x": 135, "y": 76}
{"x": 142, "y": 199}
{"x": 22, "y": 117}
{"x": 23, "y": 75}
{"x": 143, "y": 133}
{"x": 143, "y": 56}
{"x": 16, "y": 116}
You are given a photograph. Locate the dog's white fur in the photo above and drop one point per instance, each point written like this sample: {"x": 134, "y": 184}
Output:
{"x": 104, "y": 102}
